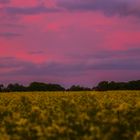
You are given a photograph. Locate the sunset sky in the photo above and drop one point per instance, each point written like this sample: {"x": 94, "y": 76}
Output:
{"x": 69, "y": 41}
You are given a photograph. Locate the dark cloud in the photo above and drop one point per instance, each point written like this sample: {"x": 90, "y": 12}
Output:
{"x": 117, "y": 64}
{"x": 4, "y": 1}
{"x": 13, "y": 69}
{"x": 28, "y": 10}
{"x": 107, "y": 54}
{"x": 108, "y": 7}
{"x": 50, "y": 69}
{"x": 53, "y": 69}
{"x": 130, "y": 52}
{"x": 36, "y": 52}
{"x": 12, "y": 25}
{"x": 133, "y": 50}
{"x": 11, "y": 62}
{"x": 9, "y": 34}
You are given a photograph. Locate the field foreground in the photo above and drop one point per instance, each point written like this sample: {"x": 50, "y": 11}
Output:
{"x": 70, "y": 116}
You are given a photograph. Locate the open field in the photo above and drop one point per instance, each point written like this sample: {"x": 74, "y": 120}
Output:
{"x": 113, "y": 115}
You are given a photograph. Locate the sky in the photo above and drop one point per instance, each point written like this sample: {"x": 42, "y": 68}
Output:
{"x": 69, "y": 41}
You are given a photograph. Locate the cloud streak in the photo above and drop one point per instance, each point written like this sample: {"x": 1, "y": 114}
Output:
{"x": 108, "y": 7}
{"x": 4, "y": 1}
{"x": 33, "y": 10}
{"x": 62, "y": 69}
{"x": 9, "y": 34}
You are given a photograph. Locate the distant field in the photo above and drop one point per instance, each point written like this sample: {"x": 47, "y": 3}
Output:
{"x": 70, "y": 116}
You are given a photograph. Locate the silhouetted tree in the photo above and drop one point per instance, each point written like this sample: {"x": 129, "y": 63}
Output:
{"x": 55, "y": 87}
{"x": 133, "y": 85}
{"x": 1, "y": 87}
{"x": 102, "y": 86}
{"x": 15, "y": 87}
{"x": 78, "y": 88}
{"x": 38, "y": 86}
{"x": 105, "y": 85}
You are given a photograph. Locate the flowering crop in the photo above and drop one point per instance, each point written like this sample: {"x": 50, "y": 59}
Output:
{"x": 113, "y": 115}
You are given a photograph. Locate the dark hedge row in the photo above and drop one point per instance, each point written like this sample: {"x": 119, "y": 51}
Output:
{"x": 102, "y": 86}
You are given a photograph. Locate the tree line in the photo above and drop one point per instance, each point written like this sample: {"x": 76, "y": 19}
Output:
{"x": 105, "y": 85}
{"x": 102, "y": 86}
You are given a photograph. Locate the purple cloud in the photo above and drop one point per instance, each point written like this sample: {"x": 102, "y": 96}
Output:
{"x": 9, "y": 34}
{"x": 12, "y": 25}
{"x": 62, "y": 69}
{"x": 16, "y": 68}
{"x": 28, "y": 10}
{"x": 108, "y": 7}
{"x": 4, "y": 1}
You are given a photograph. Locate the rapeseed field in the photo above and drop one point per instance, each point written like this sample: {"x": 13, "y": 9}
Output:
{"x": 112, "y": 115}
